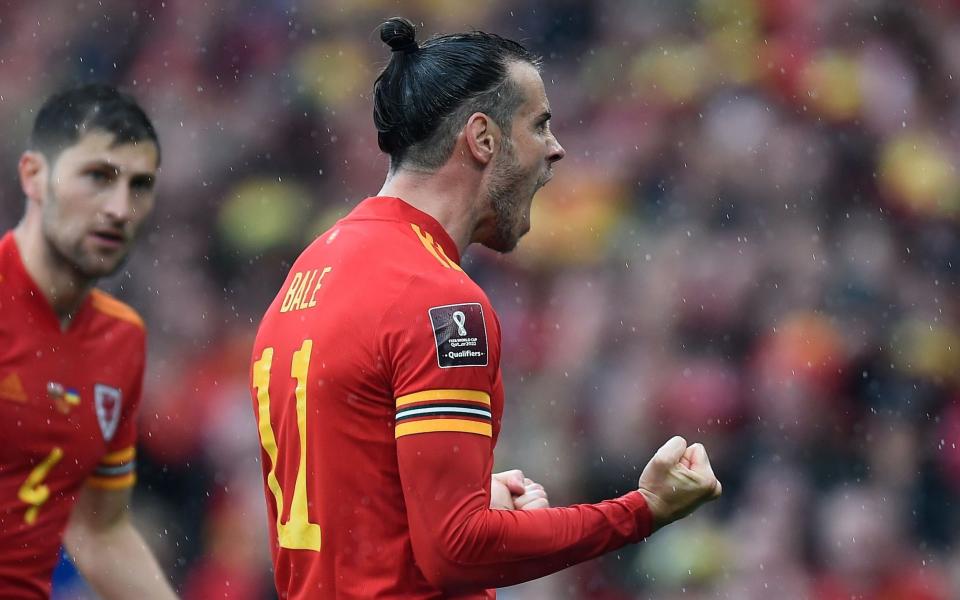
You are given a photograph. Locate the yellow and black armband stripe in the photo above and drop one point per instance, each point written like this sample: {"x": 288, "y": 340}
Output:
{"x": 466, "y": 411}
{"x": 116, "y": 470}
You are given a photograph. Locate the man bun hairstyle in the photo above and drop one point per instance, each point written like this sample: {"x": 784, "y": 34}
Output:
{"x": 400, "y": 34}
{"x": 71, "y": 113}
{"x": 426, "y": 93}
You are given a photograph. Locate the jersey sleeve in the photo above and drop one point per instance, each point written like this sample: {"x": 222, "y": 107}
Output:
{"x": 445, "y": 456}
{"x": 117, "y": 467}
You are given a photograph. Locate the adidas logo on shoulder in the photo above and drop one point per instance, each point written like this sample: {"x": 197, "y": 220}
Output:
{"x": 11, "y": 388}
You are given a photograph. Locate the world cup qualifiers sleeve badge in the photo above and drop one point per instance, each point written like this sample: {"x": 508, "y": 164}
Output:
{"x": 461, "y": 335}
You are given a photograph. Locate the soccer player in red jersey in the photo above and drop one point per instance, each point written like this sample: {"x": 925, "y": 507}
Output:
{"x": 71, "y": 356}
{"x": 376, "y": 370}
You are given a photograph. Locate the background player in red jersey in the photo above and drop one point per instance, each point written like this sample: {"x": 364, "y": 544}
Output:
{"x": 376, "y": 371}
{"x": 72, "y": 357}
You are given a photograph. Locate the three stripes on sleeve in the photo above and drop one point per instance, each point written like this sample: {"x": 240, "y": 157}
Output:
{"x": 428, "y": 411}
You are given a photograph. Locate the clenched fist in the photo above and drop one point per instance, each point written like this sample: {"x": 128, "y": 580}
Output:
{"x": 677, "y": 480}
{"x": 510, "y": 490}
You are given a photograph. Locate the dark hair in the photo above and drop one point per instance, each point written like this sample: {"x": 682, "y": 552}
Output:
{"x": 425, "y": 94}
{"x": 69, "y": 114}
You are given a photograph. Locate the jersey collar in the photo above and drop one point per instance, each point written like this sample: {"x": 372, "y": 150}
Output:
{"x": 388, "y": 208}
{"x": 17, "y": 285}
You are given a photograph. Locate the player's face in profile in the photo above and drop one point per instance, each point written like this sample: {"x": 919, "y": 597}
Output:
{"x": 524, "y": 163}
{"x": 95, "y": 199}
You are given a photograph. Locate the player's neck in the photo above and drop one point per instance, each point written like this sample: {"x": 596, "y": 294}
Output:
{"x": 444, "y": 195}
{"x": 58, "y": 281}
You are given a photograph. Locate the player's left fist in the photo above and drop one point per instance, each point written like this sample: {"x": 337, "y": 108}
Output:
{"x": 503, "y": 487}
{"x": 533, "y": 497}
{"x": 511, "y": 490}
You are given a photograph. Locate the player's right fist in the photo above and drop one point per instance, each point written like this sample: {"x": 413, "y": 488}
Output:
{"x": 677, "y": 480}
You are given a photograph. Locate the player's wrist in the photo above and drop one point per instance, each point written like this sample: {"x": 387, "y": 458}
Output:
{"x": 656, "y": 508}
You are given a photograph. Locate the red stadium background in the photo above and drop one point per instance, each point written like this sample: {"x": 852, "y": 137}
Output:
{"x": 752, "y": 242}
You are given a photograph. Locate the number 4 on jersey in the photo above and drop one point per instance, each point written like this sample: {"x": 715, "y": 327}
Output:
{"x": 34, "y": 492}
{"x": 298, "y": 533}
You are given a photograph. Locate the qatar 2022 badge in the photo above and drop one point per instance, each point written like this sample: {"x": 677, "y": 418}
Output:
{"x": 461, "y": 335}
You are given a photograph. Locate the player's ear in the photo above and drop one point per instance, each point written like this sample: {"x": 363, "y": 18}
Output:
{"x": 32, "y": 169}
{"x": 482, "y": 136}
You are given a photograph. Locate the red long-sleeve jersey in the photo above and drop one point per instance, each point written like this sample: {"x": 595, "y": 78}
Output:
{"x": 377, "y": 390}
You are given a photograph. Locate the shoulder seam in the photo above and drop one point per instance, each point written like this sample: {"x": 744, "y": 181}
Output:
{"x": 411, "y": 279}
{"x": 110, "y": 306}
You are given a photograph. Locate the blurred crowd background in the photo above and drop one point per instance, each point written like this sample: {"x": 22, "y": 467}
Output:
{"x": 751, "y": 243}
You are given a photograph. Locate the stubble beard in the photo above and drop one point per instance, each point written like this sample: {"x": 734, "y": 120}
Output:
{"x": 507, "y": 200}
{"x": 71, "y": 256}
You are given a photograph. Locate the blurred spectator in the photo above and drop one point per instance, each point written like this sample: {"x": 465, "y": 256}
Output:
{"x": 861, "y": 546}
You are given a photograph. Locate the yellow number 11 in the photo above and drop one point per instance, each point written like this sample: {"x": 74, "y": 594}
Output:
{"x": 298, "y": 533}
